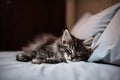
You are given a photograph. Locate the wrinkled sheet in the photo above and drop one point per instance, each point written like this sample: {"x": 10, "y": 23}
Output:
{"x": 10, "y": 69}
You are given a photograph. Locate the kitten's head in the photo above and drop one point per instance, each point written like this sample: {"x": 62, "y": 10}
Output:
{"x": 75, "y": 49}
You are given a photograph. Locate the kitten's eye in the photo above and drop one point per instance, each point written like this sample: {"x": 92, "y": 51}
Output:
{"x": 69, "y": 51}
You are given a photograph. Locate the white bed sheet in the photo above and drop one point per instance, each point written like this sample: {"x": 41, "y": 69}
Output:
{"x": 10, "y": 69}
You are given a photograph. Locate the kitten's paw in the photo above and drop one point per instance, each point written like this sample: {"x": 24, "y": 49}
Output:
{"x": 37, "y": 61}
{"x": 22, "y": 57}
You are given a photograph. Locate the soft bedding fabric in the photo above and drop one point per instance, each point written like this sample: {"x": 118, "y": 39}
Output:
{"x": 108, "y": 46}
{"x": 10, "y": 69}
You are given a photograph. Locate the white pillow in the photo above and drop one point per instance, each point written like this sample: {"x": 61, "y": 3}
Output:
{"x": 95, "y": 24}
{"x": 108, "y": 45}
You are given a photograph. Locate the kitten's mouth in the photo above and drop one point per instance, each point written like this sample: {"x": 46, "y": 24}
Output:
{"x": 74, "y": 60}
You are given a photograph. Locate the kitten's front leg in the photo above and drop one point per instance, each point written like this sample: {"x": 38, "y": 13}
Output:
{"x": 48, "y": 60}
{"x": 40, "y": 57}
{"x": 55, "y": 60}
{"x": 38, "y": 61}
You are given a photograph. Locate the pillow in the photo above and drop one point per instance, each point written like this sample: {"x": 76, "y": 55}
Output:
{"x": 96, "y": 24}
{"x": 81, "y": 22}
{"x": 107, "y": 48}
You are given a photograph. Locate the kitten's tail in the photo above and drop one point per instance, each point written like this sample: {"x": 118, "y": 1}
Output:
{"x": 39, "y": 41}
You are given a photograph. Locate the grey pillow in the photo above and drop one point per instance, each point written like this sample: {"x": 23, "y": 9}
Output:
{"x": 107, "y": 48}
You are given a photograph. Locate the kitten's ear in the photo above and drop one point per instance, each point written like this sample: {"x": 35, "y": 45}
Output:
{"x": 66, "y": 37}
{"x": 88, "y": 43}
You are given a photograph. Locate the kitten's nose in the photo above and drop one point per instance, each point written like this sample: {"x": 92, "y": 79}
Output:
{"x": 72, "y": 56}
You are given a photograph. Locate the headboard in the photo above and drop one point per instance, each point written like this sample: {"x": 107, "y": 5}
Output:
{"x": 76, "y": 8}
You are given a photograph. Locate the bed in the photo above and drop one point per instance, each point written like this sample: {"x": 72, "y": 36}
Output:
{"x": 105, "y": 25}
{"x": 10, "y": 69}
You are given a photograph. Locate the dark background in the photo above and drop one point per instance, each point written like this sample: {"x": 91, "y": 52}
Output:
{"x": 22, "y": 20}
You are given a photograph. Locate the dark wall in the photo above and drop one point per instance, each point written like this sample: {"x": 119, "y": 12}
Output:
{"x": 21, "y": 20}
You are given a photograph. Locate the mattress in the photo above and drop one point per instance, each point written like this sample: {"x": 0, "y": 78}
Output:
{"x": 10, "y": 69}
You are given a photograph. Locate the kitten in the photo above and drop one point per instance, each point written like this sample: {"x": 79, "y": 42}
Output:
{"x": 50, "y": 49}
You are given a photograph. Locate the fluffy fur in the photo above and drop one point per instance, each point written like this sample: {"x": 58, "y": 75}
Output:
{"x": 50, "y": 49}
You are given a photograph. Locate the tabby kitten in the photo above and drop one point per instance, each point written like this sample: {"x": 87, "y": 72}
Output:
{"x": 50, "y": 49}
